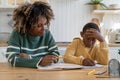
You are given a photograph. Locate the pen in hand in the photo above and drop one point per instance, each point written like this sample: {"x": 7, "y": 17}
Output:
{"x": 56, "y": 59}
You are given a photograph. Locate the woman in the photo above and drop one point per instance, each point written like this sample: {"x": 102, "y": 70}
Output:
{"x": 31, "y": 44}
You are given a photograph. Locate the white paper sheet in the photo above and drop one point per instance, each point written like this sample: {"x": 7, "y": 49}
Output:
{"x": 60, "y": 66}
{"x": 96, "y": 66}
{"x": 66, "y": 66}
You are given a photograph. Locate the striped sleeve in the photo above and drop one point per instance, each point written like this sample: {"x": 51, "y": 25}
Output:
{"x": 53, "y": 49}
{"x": 14, "y": 49}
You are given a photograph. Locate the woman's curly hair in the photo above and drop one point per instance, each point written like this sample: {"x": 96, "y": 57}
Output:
{"x": 26, "y": 15}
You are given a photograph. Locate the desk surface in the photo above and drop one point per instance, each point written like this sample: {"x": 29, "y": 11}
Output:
{"x": 4, "y": 44}
{"x": 18, "y": 73}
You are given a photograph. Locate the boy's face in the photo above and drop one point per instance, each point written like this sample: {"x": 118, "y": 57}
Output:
{"x": 88, "y": 39}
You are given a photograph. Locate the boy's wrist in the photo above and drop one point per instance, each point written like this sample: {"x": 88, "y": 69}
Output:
{"x": 102, "y": 39}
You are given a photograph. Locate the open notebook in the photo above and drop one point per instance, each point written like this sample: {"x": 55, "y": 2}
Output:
{"x": 60, "y": 66}
{"x": 66, "y": 66}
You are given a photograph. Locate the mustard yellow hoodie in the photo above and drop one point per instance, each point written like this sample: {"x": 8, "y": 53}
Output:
{"x": 76, "y": 52}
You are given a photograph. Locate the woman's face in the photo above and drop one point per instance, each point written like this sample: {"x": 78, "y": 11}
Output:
{"x": 38, "y": 29}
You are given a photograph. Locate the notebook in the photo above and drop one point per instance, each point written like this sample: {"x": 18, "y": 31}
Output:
{"x": 67, "y": 66}
{"x": 61, "y": 66}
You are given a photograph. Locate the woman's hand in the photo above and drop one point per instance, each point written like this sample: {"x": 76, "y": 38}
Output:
{"x": 48, "y": 60}
{"x": 88, "y": 62}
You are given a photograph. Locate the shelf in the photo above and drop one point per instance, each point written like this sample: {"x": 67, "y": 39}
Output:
{"x": 8, "y": 6}
{"x": 106, "y": 11}
{"x": 117, "y": 33}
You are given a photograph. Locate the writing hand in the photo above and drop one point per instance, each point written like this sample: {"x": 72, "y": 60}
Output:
{"x": 48, "y": 60}
{"x": 88, "y": 62}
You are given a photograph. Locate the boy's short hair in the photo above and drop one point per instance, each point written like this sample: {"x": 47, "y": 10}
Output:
{"x": 91, "y": 25}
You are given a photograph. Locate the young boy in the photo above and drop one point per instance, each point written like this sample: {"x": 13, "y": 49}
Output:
{"x": 85, "y": 51}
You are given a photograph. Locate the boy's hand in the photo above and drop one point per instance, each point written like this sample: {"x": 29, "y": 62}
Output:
{"x": 48, "y": 60}
{"x": 88, "y": 62}
{"x": 93, "y": 33}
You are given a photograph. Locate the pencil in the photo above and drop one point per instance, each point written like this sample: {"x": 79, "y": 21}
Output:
{"x": 104, "y": 77}
{"x": 91, "y": 72}
{"x": 60, "y": 57}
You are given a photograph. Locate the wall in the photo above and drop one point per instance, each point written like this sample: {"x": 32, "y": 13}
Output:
{"x": 70, "y": 16}
{"x": 68, "y": 21}
{"x": 5, "y": 24}
{"x": 111, "y": 22}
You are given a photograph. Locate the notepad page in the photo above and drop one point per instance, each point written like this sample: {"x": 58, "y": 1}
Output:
{"x": 96, "y": 66}
{"x": 61, "y": 66}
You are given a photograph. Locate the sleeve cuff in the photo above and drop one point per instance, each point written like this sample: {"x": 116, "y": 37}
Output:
{"x": 30, "y": 56}
{"x": 39, "y": 62}
{"x": 81, "y": 59}
{"x": 103, "y": 44}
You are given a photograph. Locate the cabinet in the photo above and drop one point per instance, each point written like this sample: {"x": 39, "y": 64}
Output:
{"x": 18, "y": 2}
{"x": 110, "y": 23}
{"x": 2, "y": 54}
{"x": 103, "y": 12}
{"x": 117, "y": 37}
{"x": 61, "y": 50}
{"x": 114, "y": 53}
{"x": 15, "y": 3}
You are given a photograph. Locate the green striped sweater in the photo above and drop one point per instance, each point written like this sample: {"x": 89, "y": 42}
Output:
{"x": 36, "y": 46}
